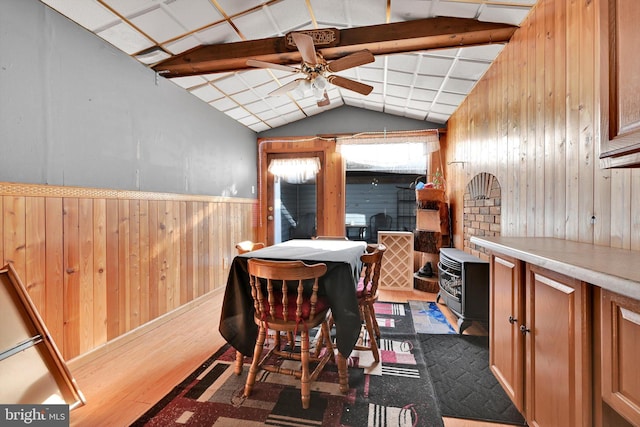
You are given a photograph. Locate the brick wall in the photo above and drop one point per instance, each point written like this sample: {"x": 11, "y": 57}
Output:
{"x": 482, "y": 205}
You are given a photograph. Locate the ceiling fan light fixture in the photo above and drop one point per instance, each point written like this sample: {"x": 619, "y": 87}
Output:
{"x": 304, "y": 86}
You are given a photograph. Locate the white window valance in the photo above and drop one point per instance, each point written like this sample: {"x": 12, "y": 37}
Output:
{"x": 296, "y": 170}
{"x": 400, "y": 152}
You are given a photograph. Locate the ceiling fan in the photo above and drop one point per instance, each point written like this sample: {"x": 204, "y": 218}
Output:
{"x": 317, "y": 71}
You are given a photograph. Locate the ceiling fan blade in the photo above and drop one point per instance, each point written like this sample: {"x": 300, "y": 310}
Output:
{"x": 286, "y": 88}
{"x": 355, "y": 59}
{"x": 324, "y": 101}
{"x": 264, "y": 64}
{"x": 353, "y": 85}
{"x": 305, "y": 45}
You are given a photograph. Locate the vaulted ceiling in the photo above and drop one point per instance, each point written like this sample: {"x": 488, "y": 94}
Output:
{"x": 428, "y": 53}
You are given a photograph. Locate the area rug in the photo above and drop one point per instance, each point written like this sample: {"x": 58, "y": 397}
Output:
{"x": 465, "y": 387}
{"x": 395, "y": 392}
{"x": 428, "y": 319}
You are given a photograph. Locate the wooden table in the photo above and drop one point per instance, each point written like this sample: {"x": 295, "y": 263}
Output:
{"x": 342, "y": 258}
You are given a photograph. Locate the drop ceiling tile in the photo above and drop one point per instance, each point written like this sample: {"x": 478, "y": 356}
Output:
{"x": 397, "y": 101}
{"x": 294, "y": 116}
{"x": 223, "y": 104}
{"x": 420, "y": 94}
{"x": 189, "y": 81}
{"x": 513, "y": 15}
{"x": 257, "y": 107}
{"x": 408, "y": 10}
{"x": 220, "y": 33}
{"x": 289, "y": 15}
{"x": 394, "y": 109}
{"x": 471, "y": 70}
{"x": 371, "y": 74}
{"x": 230, "y": 85}
{"x": 485, "y": 53}
{"x": 443, "y": 108}
{"x": 194, "y": 14}
{"x": 182, "y": 45}
{"x": 255, "y": 77}
{"x": 456, "y": 9}
{"x": 276, "y": 122}
{"x": 259, "y": 127}
{"x": 398, "y": 91}
{"x": 268, "y": 114}
{"x": 458, "y": 86}
{"x": 429, "y": 82}
{"x": 125, "y": 38}
{"x": 415, "y": 114}
{"x": 237, "y": 113}
{"x": 131, "y": 7}
{"x": 256, "y": 24}
{"x": 435, "y": 66}
{"x": 437, "y": 117}
{"x": 406, "y": 63}
{"x": 244, "y": 97}
{"x": 158, "y": 25}
{"x": 422, "y": 106}
{"x": 349, "y": 13}
{"x": 400, "y": 79}
{"x": 443, "y": 53}
{"x": 374, "y": 106}
{"x": 233, "y": 7}
{"x": 89, "y": 14}
{"x": 207, "y": 93}
{"x": 249, "y": 120}
{"x": 451, "y": 98}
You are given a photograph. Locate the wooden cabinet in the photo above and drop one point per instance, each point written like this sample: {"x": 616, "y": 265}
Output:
{"x": 540, "y": 346}
{"x": 621, "y": 82}
{"x": 506, "y": 342}
{"x": 557, "y": 334}
{"x": 620, "y": 350}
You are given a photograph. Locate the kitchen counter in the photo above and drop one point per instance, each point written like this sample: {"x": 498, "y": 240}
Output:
{"x": 617, "y": 270}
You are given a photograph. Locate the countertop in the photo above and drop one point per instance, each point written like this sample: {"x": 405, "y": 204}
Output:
{"x": 617, "y": 270}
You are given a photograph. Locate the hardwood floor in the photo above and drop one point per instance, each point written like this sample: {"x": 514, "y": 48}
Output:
{"x": 128, "y": 377}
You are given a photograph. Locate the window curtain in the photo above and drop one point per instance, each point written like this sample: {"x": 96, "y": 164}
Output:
{"x": 295, "y": 171}
{"x": 396, "y": 152}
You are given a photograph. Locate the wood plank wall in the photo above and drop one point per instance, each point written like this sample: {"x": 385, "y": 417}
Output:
{"x": 534, "y": 122}
{"x": 99, "y": 263}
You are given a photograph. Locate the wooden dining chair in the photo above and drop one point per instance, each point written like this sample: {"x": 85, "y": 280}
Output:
{"x": 367, "y": 293}
{"x": 285, "y": 297}
{"x": 242, "y": 248}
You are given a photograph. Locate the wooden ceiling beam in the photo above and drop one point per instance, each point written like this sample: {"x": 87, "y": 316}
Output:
{"x": 397, "y": 37}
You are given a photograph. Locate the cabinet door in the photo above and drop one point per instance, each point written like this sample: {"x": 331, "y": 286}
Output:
{"x": 620, "y": 350}
{"x": 506, "y": 312}
{"x": 557, "y": 348}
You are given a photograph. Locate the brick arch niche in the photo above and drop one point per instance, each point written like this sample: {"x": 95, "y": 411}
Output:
{"x": 482, "y": 210}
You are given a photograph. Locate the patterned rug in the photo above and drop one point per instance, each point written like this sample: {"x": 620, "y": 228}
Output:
{"x": 428, "y": 319}
{"x": 395, "y": 392}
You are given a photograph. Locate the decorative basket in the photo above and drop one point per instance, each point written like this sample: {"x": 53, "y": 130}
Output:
{"x": 430, "y": 195}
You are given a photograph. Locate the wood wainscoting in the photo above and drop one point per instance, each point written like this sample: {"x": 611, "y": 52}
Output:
{"x": 99, "y": 263}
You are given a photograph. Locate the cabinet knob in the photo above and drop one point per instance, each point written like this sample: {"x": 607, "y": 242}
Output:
{"x": 512, "y": 320}
{"x": 524, "y": 329}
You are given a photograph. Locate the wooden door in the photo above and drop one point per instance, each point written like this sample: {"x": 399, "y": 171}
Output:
{"x": 620, "y": 354}
{"x": 557, "y": 349}
{"x": 506, "y": 313}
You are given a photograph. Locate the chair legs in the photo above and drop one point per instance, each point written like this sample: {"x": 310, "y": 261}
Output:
{"x": 304, "y": 374}
{"x": 368, "y": 315}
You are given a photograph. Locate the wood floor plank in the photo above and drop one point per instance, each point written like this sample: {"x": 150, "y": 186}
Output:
{"x": 133, "y": 372}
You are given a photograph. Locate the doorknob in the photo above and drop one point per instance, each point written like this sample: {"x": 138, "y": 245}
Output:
{"x": 270, "y": 217}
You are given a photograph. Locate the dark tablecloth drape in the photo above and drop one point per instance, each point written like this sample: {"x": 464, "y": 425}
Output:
{"x": 338, "y": 284}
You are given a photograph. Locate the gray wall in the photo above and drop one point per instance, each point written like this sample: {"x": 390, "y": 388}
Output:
{"x": 76, "y": 111}
{"x": 346, "y": 119}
